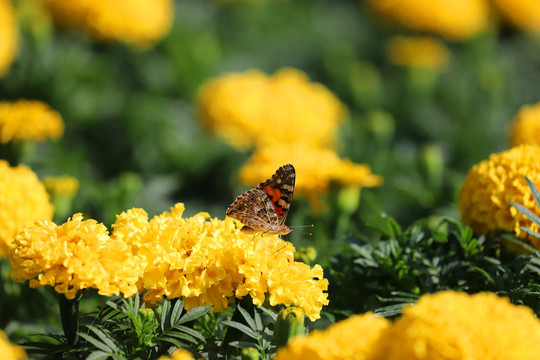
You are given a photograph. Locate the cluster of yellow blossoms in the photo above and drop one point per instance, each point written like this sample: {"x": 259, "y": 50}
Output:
{"x": 525, "y": 127}
{"x": 420, "y": 52}
{"x": 137, "y": 22}
{"x": 204, "y": 261}
{"x": 490, "y": 186}
{"x": 24, "y": 200}
{"x": 446, "y": 325}
{"x": 8, "y": 35}
{"x": 29, "y": 120}
{"x": 285, "y": 118}
{"x": 180, "y": 354}
{"x": 524, "y": 14}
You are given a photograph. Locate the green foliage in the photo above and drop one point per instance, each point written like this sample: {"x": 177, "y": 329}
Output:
{"x": 384, "y": 273}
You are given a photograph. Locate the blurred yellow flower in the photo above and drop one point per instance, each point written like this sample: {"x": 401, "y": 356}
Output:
{"x": 252, "y": 109}
{"x": 137, "y": 22}
{"x": 23, "y": 200}
{"x": 352, "y": 338}
{"x": 423, "y": 52}
{"x": 74, "y": 256}
{"x": 29, "y": 120}
{"x": 525, "y": 127}
{"x": 8, "y": 35}
{"x": 522, "y": 13}
{"x": 211, "y": 262}
{"x": 458, "y": 326}
{"x": 61, "y": 185}
{"x": 179, "y": 354}
{"x": 490, "y": 186}
{"x": 316, "y": 168}
{"x": 457, "y": 19}
{"x": 9, "y": 351}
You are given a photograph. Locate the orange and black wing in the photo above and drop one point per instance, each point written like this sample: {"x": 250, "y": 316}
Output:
{"x": 279, "y": 189}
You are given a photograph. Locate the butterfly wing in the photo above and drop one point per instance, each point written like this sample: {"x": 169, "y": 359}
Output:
{"x": 254, "y": 210}
{"x": 279, "y": 189}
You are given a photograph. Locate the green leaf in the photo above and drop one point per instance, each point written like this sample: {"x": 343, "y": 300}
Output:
{"x": 243, "y": 328}
{"x": 189, "y": 331}
{"x": 98, "y": 355}
{"x": 98, "y": 344}
{"x": 175, "y": 342}
{"x": 195, "y": 314}
{"x": 534, "y": 191}
{"x": 177, "y": 312}
{"x": 165, "y": 306}
{"x": 103, "y": 337}
{"x": 247, "y": 317}
{"x": 528, "y": 213}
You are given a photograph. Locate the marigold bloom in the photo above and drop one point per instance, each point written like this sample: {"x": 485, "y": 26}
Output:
{"x": 252, "y": 109}
{"x": 522, "y": 13}
{"x": 423, "y": 52}
{"x": 74, "y": 256}
{"x": 24, "y": 200}
{"x": 9, "y": 351}
{"x": 137, "y": 22}
{"x": 315, "y": 167}
{"x": 525, "y": 128}
{"x": 211, "y": 262}
{"x": 352, "y": 338}
{"x": 458, "y": 326}
{"x": 179, "y": 354}
{"x": 8, "y": 35}
{"x": 458, "y": 19}
{"x": 28, "y": 120}
{"x": 490, "y": 186}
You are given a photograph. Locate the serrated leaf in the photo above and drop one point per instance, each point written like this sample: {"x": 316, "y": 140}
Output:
{"x": 270, "y": 313}
{"x": 523, "y": 244}
{"x": 247, "y": 317}
{"x": 243, "y": 328}
{"x": 484, "y": 273}
{"x": 189, "y": 331}
{"x": 98, "y": 344}
{"x": 528, "y": 213}
{"x": 242, "y": 344}
{"x": 534, "y": 191}
{"x": 103, "y": 337}
{"x": 165, "y": 305}
{"x": 177, "y": 312}
{"x": 173, "y": 341}
{"x": 391, "y": 310}
{"x": 195, "y": 314}
{"x": 181, "y": 336}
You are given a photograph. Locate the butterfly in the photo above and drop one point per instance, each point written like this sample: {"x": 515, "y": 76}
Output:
{"x": 264, "y": 209}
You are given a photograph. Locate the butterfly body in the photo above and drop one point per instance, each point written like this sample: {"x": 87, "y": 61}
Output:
{"x": 264, "y": 209}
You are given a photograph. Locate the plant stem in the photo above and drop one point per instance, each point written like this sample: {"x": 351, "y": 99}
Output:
{"x": 69, "y": 314}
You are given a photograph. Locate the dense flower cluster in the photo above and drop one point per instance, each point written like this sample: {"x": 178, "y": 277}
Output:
{"x": 352, "y": 338}
{"x": 490, "y": 186}
{"x": 457, "y": 326}
{"x": 24, "y": 200}
{"x": 211, "y": 262}
{"x": 252, "y": 109}
{"x": 8, "y": 35}
{"x": 9, "y": 351}
{"x": 316, "y": 168}
{"x": 29, "y": 120}
{"x": 424, "y": 52}
{"x": 458, "y": 19}
{"x": 74, "y": 256}
{"x": 137, "y": 22}
{"x": 447, "y": 325}
{"x": 522, "y": 13}
{"x": 525, "y": 128}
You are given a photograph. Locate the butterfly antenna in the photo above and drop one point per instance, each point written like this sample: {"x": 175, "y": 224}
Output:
{"x": 303, "y": 226}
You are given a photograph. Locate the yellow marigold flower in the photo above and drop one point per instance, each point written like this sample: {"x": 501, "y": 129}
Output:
{"x": 525, "y": 128}
{"x": 352, "y": 338}
{"x": 490, "y": 186}
{"x": 137, "y": 22}
{"x": 74, "y": 256}
{"x": 179, "y": 354}
{"x": 28, "y": 120}
{"x": 8, "y": 35}
{"x": 315, "y": 168}
{"x": 458, "y": 326}
{"x": 423, "y": 52}
{"x": 458, "y": 19}
{"x": 61, "y": 185}
{"x": 9, "y": 351}
{"x": 211, "y": 262}
{"x": 522, "y": 13}
{"x": 252, "y": 109}
{"x": 23, "y": 200}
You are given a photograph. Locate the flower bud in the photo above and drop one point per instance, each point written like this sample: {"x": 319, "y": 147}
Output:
{"x": 289, "y": 323}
